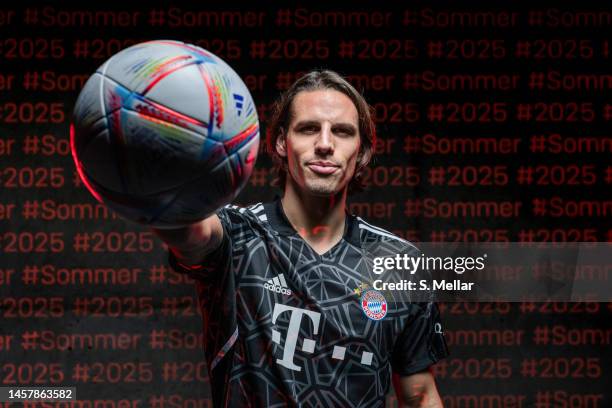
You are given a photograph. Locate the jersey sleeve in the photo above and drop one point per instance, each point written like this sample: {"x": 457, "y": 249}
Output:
{"x": 216, "y": 292}
{"x": 421, "y": 343}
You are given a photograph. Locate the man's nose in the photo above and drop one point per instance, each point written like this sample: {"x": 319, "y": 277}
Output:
{"x": 325, "y": 141}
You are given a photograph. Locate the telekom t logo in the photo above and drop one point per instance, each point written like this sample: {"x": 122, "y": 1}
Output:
{"x": 293, "y": 332}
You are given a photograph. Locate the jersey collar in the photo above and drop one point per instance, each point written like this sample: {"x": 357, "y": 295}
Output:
{"x": 279, "y": 222}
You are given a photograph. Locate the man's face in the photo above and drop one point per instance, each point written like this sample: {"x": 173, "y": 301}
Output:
{"x": 322, "y": 142}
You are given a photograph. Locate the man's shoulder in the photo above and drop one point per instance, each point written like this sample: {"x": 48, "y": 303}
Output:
{"x": 374, "y": 235}
{"x": 238, "y": 215}
{"x": 255, "y": 210}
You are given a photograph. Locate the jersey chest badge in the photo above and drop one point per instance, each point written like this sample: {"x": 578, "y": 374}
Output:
{"x": 374, "y": 304}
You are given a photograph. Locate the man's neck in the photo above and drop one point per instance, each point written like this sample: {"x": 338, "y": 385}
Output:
{"x": 319, "y": 220}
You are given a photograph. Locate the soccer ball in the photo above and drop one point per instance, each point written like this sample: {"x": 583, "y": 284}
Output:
{"x": 164, "y": 133}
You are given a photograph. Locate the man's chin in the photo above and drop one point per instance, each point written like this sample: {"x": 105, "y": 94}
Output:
{"x": 327, "y": 189}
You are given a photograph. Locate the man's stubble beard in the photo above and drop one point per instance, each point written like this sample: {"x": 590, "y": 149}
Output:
{"x": 322, "y": 187}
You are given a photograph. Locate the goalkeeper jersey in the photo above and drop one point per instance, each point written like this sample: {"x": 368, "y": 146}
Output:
{"x": 285, "y": 326}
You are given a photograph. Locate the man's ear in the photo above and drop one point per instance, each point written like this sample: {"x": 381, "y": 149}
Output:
{"x": 281, "y": 143}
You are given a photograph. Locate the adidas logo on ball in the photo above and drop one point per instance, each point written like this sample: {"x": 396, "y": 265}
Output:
{"x": 278, "y": 285}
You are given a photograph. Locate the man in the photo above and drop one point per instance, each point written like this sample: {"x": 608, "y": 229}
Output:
{"x": 289, "y": 317}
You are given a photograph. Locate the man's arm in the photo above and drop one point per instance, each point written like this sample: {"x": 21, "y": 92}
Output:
{"x": 192, "y": 243}
{"x": 417, "y": 390}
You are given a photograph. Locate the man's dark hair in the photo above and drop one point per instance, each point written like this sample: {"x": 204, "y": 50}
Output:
{"x": 282, "y": 115}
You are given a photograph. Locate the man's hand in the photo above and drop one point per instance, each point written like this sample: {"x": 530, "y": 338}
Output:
{"x": 417, "y": 390}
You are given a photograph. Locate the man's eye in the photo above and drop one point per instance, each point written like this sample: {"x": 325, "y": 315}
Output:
{"x": 343, "y": 132}
{"x": 308, "y": 129}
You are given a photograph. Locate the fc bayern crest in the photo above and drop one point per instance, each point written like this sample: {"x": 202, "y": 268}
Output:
{"x": 374, "y": 304}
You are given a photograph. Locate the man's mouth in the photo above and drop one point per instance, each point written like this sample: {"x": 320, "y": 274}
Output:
{"x": 322, "y": 167}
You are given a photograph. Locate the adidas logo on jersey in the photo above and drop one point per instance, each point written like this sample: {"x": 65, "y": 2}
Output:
{"x": 278, "y": 285}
